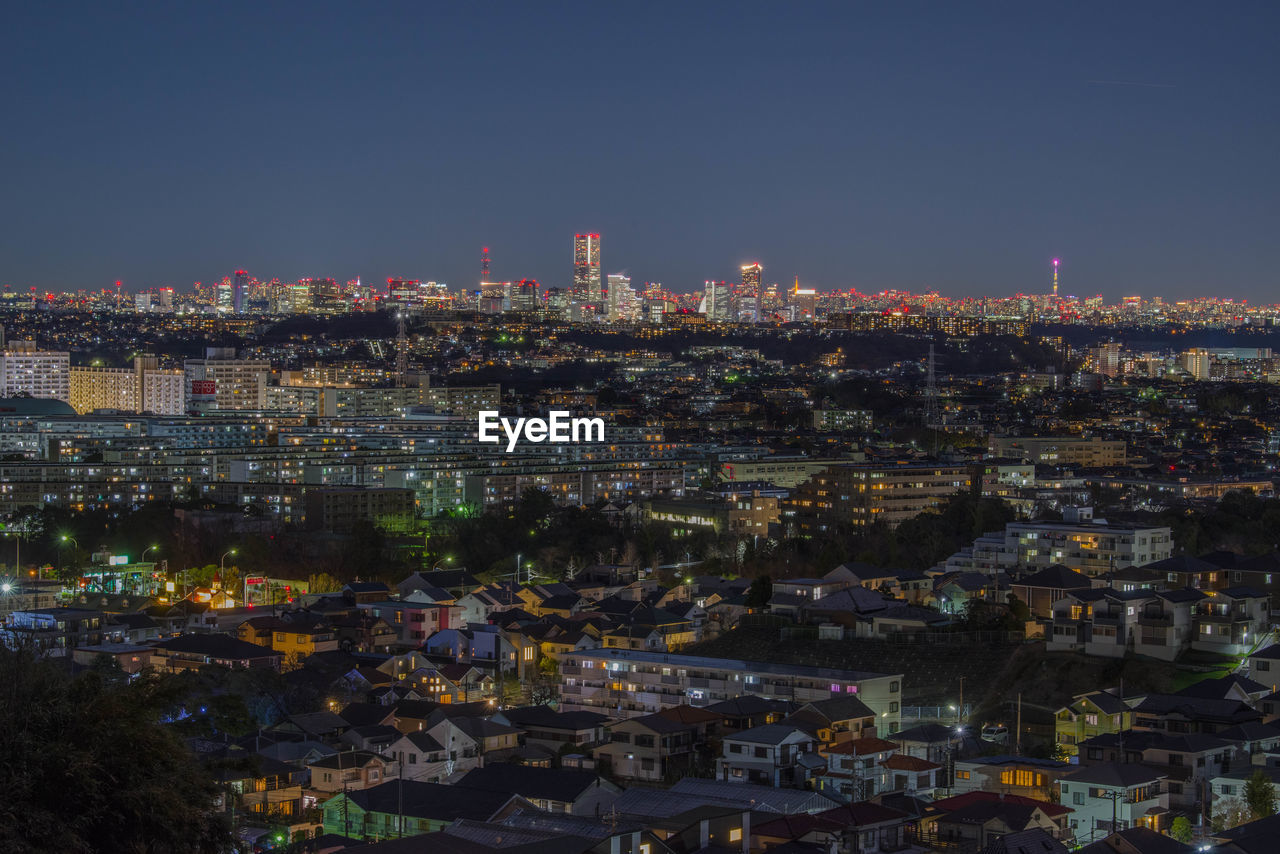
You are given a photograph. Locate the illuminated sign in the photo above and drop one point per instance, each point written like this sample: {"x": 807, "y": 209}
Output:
{"x": 255, "y": 579}
{"x": 118, "y": 560}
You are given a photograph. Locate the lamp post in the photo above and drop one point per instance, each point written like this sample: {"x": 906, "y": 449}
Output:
{"x": 147, "y": 550}
{"x": 63, "y": 539}
{"x": 446, "y": 559}
{"x": 222, "y": 571}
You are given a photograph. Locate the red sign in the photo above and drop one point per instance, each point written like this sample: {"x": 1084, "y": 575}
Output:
{"x": 255, "y": 580}
{"x": 204, "y": 387}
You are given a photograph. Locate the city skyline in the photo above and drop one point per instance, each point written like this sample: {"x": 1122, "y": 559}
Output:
{"x": 957, "y": 150}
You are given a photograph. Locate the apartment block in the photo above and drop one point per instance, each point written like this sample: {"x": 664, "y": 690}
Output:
{"x": 1060, "y": 450}
{"x": 628, "y": 683}
{"x": 865, "y": 494}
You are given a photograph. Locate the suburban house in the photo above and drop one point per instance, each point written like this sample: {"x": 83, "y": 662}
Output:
{"x": 773, "y": 755}
{"x": 1106, "y": 797}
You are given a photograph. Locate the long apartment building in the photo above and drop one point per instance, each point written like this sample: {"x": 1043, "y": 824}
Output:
{"x": 626, "y": 683}
{"x": 868, "y": 493}
{"x": 1088, "y": 545}
{"x": 1060, "y": 450}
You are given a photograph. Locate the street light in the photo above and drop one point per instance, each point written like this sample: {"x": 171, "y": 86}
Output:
{"x": 64, "y": 538}
{"x": 145, "y": 551}
{"x": 223, "y": 563}
{"x": 446, "y": 559}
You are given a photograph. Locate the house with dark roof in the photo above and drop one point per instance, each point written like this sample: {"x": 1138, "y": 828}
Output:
{"x": 420, "y": 757}
{"x": 554, "y": 790}
{"x": 1231, "y": 620}
{"x": 1188, "y": 760}
{"x": 1137, "y": 840}
{"x": 976, "y": 819}
{"x": 772, "y": 755}
{"x": 1166, "y": 623}
{"x": 1091, "y": 714}
{"x": 855, "y": 769}
{"x": 1011, "y": 774}
{"x": 648, "y": 748}
{"x": 546, "y": 726}
{"x": 750, "y": 710}
{"x": 1046, "y": 587}
{"x": 1177, "y": 713}
{"x": 351, "y": 770}
{"x": 412, "y": 808}
{"x": 862, "y": 826}
{"x": 191, "y": 652}
{"x": 1108, "y": 796}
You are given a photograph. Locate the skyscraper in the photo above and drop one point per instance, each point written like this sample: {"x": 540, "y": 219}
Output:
{"x": 621, "y": 298}
{"x": 751, "y": 275}
{"x": 586, "y": 270}
{"x": 716, "y": 303}
{"x": 240, "y": 292}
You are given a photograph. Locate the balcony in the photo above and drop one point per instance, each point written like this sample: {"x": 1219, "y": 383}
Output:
{"x": 1161, "y": 619}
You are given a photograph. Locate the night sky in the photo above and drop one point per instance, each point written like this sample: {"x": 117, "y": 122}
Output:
{"x": 956, "y": 146}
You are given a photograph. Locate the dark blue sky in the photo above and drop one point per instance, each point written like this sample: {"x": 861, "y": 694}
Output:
{"x": 950, "y": 145}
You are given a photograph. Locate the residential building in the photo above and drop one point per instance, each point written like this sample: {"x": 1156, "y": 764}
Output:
{"x": 773, "y": 755}
{"x": 626, "y": 683}
{"x": 864, "y": 493}
{"x": 1106, "y": 797}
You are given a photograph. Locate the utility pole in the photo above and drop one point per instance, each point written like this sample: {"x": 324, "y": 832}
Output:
{"x": 1018, "y": 738}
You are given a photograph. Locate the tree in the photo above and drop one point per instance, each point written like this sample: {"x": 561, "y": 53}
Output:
{"x": 323, "y": 582}
{"x": 1260, "y": 795}
{"x": 760, "y": 592}
{"x": 98, "y": 742}
{"x": 1228, "y": 813}
{"x": 1181, "y": 829}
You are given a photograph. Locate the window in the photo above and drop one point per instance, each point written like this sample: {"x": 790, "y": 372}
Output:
{"x": 1091, "y": 720}
{"x": 1264, "y": 666}
{"x": 893, "y": 687}
{"x": 1078, "y": 798}
{"x": 735, "y": 835}
{"x": 735, "y": 748}
{"x": 962, "y": 775}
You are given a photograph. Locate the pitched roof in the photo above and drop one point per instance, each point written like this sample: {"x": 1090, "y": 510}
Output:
{"x": 1116, "y": 774}
{"x": 1057, "y": 577}
{"x": 216, "y": 646}
{"x": 554, "y": 784}
{"x": 428, "y": 800}
{"x": 1137, "y": 840}
{"x": 903, "y": 762}
{"x": 766, "y": 734}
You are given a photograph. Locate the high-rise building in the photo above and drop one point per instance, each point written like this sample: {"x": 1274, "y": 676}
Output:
{"x": 221, "y": 381}
{"x": 524, "y": 296}
{"x": 586, "y": 270}
{"x": 240, "y": 292}
{"x": 804, "y": 302}
{"x": 751, "y": 275}
{"x": 142, "y": 388}
{"x": 24, "y": 370}
{"x": 224, "y": 295}
{"x": 1198, "y": 362}
{"x": 717, "y": 302}
{"x": 621, "y": 298}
